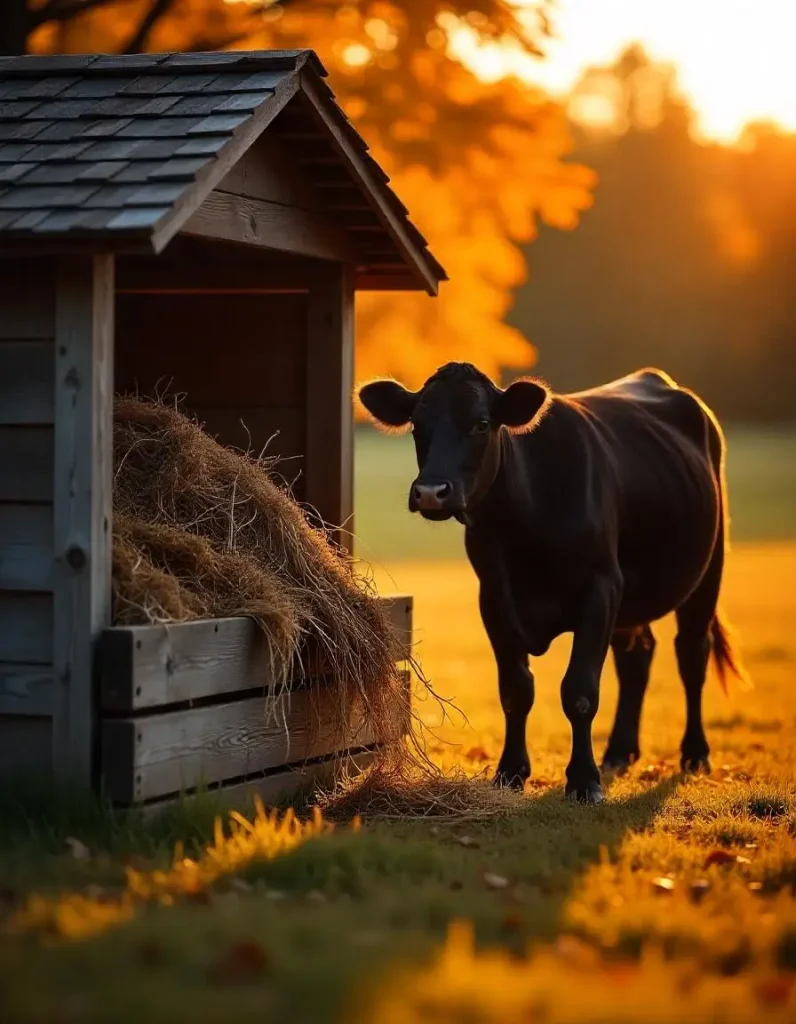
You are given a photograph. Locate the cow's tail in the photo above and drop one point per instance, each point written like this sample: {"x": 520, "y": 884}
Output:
{"x": 726, "y": 656}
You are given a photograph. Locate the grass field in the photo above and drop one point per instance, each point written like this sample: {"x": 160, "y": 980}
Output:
{"x": 674, "y": 901}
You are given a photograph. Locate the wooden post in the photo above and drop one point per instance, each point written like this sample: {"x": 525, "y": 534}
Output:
{"x": 329, "y": 460}
{"x": 83, "y": 478}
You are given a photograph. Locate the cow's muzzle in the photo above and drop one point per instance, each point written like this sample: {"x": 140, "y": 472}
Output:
{"x": 433, "y": 499}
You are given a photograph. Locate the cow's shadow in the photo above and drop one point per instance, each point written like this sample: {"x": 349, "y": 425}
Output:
{"x": 547, "y": 847}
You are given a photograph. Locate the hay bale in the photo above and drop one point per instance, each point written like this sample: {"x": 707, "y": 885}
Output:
{"x": 201, "y": 530}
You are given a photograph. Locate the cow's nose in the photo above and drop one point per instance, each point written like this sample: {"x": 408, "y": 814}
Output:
{"x": 431, "y": 496}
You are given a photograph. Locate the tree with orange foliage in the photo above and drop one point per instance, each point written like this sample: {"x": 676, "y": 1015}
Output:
{"x": 477, "y": 163}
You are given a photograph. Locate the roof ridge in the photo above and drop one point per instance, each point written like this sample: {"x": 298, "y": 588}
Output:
{"x": 175, "y": 62}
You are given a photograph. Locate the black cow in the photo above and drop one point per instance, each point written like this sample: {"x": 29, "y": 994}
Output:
{"x": 594, "y": 513}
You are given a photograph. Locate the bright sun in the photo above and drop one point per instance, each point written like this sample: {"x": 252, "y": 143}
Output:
{"x": 734, "y": 58}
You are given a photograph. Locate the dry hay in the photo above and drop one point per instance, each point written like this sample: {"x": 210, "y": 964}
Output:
{"x": 201, "y": 530}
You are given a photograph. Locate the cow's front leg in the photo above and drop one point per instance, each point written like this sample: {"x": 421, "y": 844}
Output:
{"x": 515, "y": 681}
{"x": 580, "y": 689}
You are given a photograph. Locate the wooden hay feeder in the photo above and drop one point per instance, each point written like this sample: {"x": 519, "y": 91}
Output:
{"x": 198, "y": 222}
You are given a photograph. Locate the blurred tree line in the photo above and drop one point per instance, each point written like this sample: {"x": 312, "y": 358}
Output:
{"x": 478, "y": 164}
{"x": 687, "y": 260}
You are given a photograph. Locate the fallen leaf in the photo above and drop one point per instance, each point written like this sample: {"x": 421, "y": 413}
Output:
{"x": 742, "y": 860}
{"x": 699, "y": 889}
{"x": 755, "y": 887}
{"x": 78, "y": 850}
{"x": 493, "y": 881}
{"x": 467, "y": 841}
{"x": 718, "y": 857}
{"x": 663, "y": 885}
{"x": 244, "y": 960}
{"x": 775, "y": 990}
{"x": 750, "y": 846}
{"x": 477, "y": 754}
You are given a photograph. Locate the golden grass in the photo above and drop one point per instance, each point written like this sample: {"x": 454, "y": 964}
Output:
{"x": 77, "y": 916}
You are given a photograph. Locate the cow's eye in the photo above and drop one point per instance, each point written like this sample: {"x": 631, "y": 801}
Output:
{"x": 480, "y": 427}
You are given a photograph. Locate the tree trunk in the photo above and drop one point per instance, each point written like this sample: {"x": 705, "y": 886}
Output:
{"x": 14, "y": 26}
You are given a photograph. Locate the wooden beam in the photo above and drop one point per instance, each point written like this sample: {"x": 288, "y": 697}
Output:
{"x": 146, "y": 667}
{"x": 258, "y": 222}
{"x": 156, "y": 755}
{"x": 329, "y": 469}
{"x": 371, "y": 181}
{"x": 82, "y": 503}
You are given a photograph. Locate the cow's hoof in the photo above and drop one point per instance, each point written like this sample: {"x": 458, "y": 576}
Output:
{"x": 511, "y": 778}
{"x": 695, "y": 765}
{"x": 591, "y": 793}
{"x": 616, "y": 762}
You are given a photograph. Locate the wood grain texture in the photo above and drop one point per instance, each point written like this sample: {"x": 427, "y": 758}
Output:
{"x": 268, "y": 171}
{"x": 25, "y": 690}
{"x": 220, "y": 351}
{"x": 257, "y": 222}
{"x": 180, "y": 750}
{"x": 26, "y": 464}
{"x": 144, "y": 667}
{"x": 329, "y": 460}
{"x": 27, "y": 299}
{"x": 26, "y": 383}
{"x": 82, "y": 503}
{"x": 25, "y": 749}
{"x": 26, "y": 547}
{"x": 26, "y": 627}
{"x": 274, "y": 788}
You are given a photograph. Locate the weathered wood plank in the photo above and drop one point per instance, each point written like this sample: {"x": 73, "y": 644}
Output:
{"x": 82, "y": 502}
{"x": 156, "y": 755}
{"x": 268, "y": 172}
{"x": 145, "y": 667}
{"x": 26, "y": 547}
{"x": 220, "y": 351}
{"x": 26, "y": 627}
{"x": 26, "y": 382}
{"x": 27, "y": 299}
{"x": 25, "y": 689}
{"x": 329, "y": 461}
{"x": 274, "y": 788}
{"x": 258, "y": 222}
{"x": 26, "y": 463}
{"x": 25, "y": 749}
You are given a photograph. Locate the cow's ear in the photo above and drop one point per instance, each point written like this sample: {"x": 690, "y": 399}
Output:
{"x": 521, "y": 404}
{"x": 389, "y": 403}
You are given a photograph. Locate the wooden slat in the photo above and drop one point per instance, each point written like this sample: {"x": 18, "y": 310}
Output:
{"x": 26, "y": 382}
{"x": 25, "y": 690}
{"x": 144, "y": 667}
{"x": 82, "y": 503}
{"x": 257, "y": 222}
{"x": 274, "y": 788}
{"x": 27, "y": 299}
{"x": 329, "y": 472}
{"x": 234, "y": 351}
{"x": 25, "y": 745}
{"x": 26, "y": 547}
{"x": 26, "y": 464}
{"x": 155, "y": 755}
{"x": 26, "y": 627}
{"x": 269, "y": 172}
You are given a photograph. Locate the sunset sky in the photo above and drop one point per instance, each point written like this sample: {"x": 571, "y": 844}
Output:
{"x": 735, "y": 58}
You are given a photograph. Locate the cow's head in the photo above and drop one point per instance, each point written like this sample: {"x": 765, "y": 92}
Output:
{"x": 456, "y": 419}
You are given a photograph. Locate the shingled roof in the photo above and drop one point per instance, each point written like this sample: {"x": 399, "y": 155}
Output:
{"x": 120, "y": 150}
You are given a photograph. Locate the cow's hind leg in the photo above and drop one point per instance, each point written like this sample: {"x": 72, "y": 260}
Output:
{"x": 633, "y": 660}
{"x": 692, "y": 646}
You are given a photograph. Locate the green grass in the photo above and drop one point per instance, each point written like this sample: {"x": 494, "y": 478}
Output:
{"x": 761, "y": 480}
{"x": 330, "y": 918}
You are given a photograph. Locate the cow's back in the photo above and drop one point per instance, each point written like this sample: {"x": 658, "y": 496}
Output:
{"x": 664, "y": 450}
